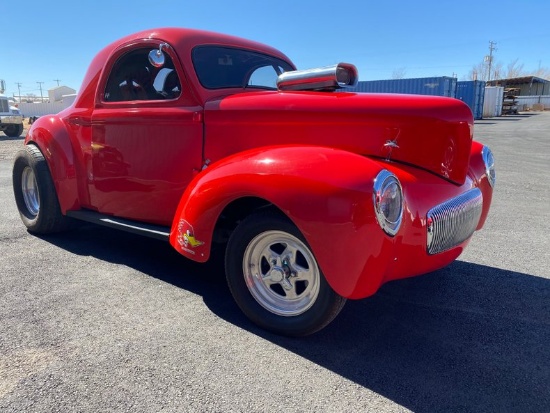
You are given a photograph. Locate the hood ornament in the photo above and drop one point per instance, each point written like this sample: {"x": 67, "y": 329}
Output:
{"x": 390, "y": 145}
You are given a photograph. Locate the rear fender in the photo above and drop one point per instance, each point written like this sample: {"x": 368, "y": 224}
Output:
{"x": 326, "y": 193}
{"x": 50, "y": 135}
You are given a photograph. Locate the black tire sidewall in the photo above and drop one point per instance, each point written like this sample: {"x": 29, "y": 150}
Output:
{"x": 49, "y": 216}
{"x": 326, "y": 306}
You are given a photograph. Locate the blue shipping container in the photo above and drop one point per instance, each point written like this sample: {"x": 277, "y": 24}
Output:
{"x": 473, "y": 94}
{"x": 434, "y": 86}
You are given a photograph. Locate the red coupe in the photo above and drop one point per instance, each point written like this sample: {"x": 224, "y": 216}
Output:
{"x": 202, "y": 139}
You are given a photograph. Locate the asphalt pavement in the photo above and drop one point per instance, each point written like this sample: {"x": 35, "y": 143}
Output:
{"x": 96, "y": 320}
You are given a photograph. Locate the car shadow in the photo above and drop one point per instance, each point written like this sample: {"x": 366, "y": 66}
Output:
{"x": 8, "y": 138}
{"x": 465, "y": 338}
{"x": 503, "y": 118}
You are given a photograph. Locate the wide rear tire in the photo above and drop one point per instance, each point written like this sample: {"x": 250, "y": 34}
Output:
{"x": 275, "y": 279}
{"x": 35, "y": 193}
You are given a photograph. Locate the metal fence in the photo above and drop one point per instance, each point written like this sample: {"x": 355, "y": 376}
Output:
{"x": 533, "y": 102}
{"x": 41, "y": 109}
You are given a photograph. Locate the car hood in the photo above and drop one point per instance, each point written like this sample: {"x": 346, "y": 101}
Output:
{"x": 433, "y": 133}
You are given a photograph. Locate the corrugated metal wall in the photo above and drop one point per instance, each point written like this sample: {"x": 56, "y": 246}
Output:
{"x": 473, "y": 94}
{"x": 434, "y": 86}
{"x": 492, "y": 104}
{"x": 529, "y": 89}
{"x": 41, "y": 109}
{"x": 527, "y": 102}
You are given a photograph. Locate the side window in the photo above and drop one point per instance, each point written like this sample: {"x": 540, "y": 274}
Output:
{"x": 134, "y": 78}
{"x": 264, "y": 76}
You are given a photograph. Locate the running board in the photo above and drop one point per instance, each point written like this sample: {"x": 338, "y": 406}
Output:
{"x": 135, "y": 227}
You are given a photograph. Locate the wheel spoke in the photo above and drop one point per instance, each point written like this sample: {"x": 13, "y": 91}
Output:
{"x": 299, "y": 272}
{"x": 290, "y": 289}
{"x": 273, "y": 260}
{"x": 304, "y": 274}
{"x": 290, "y": 253}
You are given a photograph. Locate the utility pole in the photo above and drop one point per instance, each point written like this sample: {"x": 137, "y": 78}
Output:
{"x": 19, "y": 89}
{"x": 57, "y": 80}
{"x": 41, "y": 97}
{"x": 489, "y": 58}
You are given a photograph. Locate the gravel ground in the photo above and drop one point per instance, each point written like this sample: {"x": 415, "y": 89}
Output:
{"x": 97, "y": 320}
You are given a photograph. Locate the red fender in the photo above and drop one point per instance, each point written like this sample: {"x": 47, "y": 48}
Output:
{"x": 326, "y": 192}
{"x": 50, "y": 134}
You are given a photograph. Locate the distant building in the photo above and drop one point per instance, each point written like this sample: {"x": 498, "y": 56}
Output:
{"x": 527, "y": 85}
{"x": 56, "y": 94}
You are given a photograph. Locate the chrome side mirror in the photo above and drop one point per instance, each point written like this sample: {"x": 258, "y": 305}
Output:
{"x": 156, "y": 56}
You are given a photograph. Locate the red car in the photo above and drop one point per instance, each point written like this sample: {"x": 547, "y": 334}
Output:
{"x": 201, "y": 139}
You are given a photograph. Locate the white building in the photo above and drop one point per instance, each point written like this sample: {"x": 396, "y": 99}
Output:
{"x": 56, "y": 94}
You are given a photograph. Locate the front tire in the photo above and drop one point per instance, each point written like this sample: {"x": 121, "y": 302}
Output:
{"x": 35, "y": 194}
{"x": 275, "y": 279}
{"x": 14, "y": 131}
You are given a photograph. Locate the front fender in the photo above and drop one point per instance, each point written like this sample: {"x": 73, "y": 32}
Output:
{"x": 51, "y": 136}
{"x": 327, "y": 193}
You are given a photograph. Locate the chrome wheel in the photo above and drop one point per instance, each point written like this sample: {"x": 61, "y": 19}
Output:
{"x": 281, "y": 273}
{"x": 29, "y": 189}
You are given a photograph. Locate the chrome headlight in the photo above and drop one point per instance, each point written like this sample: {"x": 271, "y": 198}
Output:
{"x": 388, "y": 202}
{"x": 489, "y": 161}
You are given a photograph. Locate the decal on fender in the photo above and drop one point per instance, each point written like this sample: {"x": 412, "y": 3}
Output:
{"x": 186, "y": 237}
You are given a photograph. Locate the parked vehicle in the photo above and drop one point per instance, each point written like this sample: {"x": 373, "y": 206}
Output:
{"x": 11, "y": 120}
{"x": 203, "y": 139}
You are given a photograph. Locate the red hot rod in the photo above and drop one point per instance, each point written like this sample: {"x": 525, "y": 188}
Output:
{"x": 202, "y": 139}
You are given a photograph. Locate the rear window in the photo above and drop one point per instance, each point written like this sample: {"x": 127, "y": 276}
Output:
{"x": 226, "y": 67}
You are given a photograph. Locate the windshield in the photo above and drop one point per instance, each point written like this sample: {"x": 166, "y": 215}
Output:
{"x": 225, "y": 67}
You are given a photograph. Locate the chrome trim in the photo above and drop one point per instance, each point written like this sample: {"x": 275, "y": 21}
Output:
{"x": 489, "y": 161}
{"x": 454, "y": 221}
{"x": 4, "y": 105}
{"x": 322, "y": 78}
{"x": 382, "y": 180}
{"x": 29, "y": 188}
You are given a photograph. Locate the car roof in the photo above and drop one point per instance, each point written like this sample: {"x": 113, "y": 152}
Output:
{"x": 183, "y": 40}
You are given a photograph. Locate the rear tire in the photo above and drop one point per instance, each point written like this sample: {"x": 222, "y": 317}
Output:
{"x": 275, "y": 279}
{"x": 35, "y": 193}
{"x": 14, "y": 131}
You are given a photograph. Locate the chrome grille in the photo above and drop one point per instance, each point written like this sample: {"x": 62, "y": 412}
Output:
{"x": 453, "y": 221}
{"x": 4, "y": 106}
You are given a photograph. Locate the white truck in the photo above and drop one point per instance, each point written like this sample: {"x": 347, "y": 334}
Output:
{"x": 11, "y": 120}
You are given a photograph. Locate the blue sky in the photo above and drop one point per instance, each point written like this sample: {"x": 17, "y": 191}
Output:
{"x": 48, "y": 40}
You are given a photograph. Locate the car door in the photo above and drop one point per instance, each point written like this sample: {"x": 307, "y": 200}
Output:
{"x": 147, "y": 137}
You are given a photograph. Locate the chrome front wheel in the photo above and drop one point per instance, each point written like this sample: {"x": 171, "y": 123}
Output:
{"x": 281, "y": 273}
{"x": 275, "y": 279}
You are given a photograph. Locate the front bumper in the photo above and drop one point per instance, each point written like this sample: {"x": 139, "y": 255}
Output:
{"x": 11, "y": 120}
